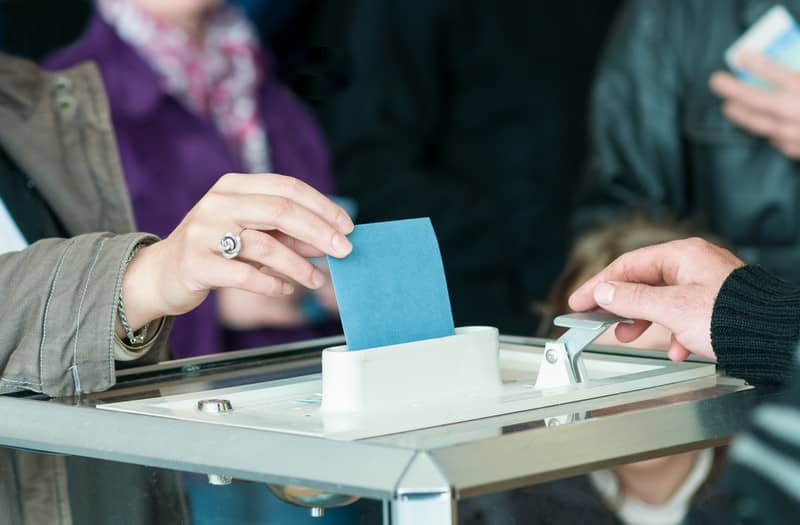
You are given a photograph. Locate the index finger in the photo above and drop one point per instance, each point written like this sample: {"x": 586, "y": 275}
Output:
{"x": 258, "y": 211}
{"x": 301, "y": 248}
{"x": 733, "y": 89}
{"x": 290, "y": 188}
{"x": 650, "y": 265}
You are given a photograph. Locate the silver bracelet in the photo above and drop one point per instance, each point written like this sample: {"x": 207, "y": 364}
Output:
{"x": 133, "y": 338}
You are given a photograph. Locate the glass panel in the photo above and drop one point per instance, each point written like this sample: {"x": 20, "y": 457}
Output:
{"x": 99, "y": 491}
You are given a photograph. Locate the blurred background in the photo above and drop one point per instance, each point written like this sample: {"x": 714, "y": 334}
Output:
{"x": 470, "y": 113}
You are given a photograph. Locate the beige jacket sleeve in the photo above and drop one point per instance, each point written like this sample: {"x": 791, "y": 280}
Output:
{"x": 58, "y": 311}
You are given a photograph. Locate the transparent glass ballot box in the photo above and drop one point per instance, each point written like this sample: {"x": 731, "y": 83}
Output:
{"x": 407, "y": 467}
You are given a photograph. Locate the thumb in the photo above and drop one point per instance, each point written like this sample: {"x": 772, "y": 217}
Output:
{"x": 636, "y": 301}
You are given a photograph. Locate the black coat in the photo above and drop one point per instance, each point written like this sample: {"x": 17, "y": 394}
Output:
{"x": 660, "y": 143}
{"x": 467, "y": 111}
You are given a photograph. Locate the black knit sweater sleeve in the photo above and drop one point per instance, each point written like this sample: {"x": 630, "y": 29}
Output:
{"x": 755, "y": 326}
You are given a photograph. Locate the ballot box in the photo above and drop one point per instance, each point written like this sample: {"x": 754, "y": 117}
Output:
{"x": 260, "y": 415}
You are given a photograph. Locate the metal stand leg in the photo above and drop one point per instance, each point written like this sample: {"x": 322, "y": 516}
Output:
{"x": 433, "y": 509}
{"x": 423, "y": 496}
{"x": 387, "y": 512}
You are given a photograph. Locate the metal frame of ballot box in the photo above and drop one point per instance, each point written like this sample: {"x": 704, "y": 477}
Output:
{"x": 421, "y": 474}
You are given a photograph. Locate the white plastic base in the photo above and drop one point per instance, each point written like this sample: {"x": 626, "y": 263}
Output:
{"x": 403, "y": 375}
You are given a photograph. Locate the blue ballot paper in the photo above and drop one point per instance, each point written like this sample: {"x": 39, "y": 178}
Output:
{"x": 391, "y": 289}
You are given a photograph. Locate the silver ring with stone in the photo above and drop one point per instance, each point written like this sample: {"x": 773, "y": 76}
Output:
{"x": 230, "y": 245}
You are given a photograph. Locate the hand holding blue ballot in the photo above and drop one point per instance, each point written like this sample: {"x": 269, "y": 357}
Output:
{"x": 764, "y": 95}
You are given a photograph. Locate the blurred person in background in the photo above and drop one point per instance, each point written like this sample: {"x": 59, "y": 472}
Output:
{"x": 673, "y": 135}
{"x": 660, "y": 491}
{"x": 193, "y": 95}
{"x": 468, "y": 112}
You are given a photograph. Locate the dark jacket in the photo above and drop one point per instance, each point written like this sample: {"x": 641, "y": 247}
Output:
{"x": 660, "y": 144}
{"x": 469, "y": 112}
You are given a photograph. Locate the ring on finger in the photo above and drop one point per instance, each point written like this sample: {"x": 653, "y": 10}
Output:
{"x": 231, "y": 244}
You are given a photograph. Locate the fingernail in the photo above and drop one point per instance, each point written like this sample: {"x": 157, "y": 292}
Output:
{"x": 604, "y": 293}
{"x": 345, "y": 224}
{"x": 288, "y": 289}
{"x": 341, "y": 245}
{"x": 317, "y": 278}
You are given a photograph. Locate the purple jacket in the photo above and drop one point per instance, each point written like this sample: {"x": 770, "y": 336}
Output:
{"x": 171, "y": 158}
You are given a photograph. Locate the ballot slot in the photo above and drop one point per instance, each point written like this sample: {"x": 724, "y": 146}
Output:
{"x": 397, "y": 376}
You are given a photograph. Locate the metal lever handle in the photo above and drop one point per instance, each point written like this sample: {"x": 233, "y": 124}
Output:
{"x": 562, "y": 364}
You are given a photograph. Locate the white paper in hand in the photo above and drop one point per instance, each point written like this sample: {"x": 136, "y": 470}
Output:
{"x": 775, "y": 35}
{"x": 11, "y": 238}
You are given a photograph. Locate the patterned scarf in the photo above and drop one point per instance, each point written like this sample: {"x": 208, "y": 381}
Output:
{"x": 217, "y": 78}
